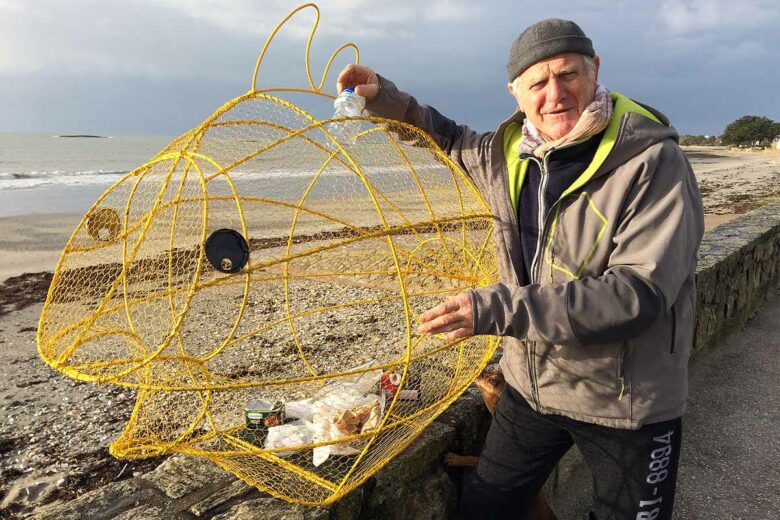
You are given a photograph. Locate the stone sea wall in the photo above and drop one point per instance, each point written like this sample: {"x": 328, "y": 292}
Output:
{"x": 739, "y": 262}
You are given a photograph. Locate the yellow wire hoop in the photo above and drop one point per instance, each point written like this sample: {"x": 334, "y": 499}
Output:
{"x": 313, "y": 89}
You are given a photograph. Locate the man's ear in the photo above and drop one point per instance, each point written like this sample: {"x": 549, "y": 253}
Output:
{"x": 511, "y": 88}
{"x": 596, "y": 64}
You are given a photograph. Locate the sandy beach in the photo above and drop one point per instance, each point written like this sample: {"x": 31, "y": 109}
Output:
{"x": 55, "y": 432}
{"x": 731, "y": 182}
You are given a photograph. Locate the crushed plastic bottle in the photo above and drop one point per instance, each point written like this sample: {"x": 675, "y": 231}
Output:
{"x": 348, "y": 104}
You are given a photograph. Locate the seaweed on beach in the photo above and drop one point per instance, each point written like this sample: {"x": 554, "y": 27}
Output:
{"x": 19, "y": 292}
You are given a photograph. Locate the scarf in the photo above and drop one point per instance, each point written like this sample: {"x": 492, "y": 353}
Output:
{"x": 593, "y": 120}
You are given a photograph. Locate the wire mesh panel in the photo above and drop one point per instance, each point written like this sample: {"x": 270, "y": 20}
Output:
{"x": 259, "y": 282}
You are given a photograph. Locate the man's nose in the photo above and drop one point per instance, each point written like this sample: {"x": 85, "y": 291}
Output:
{"x": 555, "y": 92}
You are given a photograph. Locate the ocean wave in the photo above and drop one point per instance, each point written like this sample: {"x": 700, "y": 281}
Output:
{"x": 31, "y": 180}
{"x": 27, "y": 180}
{"x": 38, "y": 175}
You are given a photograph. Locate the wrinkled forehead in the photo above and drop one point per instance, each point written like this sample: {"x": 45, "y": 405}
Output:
{"x": 559, "y": 64}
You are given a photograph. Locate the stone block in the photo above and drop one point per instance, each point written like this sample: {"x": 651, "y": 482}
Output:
{"x": 349, "y": 507}
{"x": 470, "y": 419}
{"x": 179, "y": 475}
{"x": 272, "y": 509}
{"x": 106, "y": 502}
{"x": 433, "y": 496}
{"x": 233, "y": 491}
{"x": 422, "y": 455}
{"x": 143, "y": 512}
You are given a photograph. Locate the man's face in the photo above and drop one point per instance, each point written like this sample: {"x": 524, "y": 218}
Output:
{"x": 554, "y": 92}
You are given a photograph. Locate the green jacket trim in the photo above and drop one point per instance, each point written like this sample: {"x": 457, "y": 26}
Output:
{"x": 517, "y": 168}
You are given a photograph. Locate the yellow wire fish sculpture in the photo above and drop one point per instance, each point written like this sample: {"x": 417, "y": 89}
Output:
{"x": 259, "y": 283}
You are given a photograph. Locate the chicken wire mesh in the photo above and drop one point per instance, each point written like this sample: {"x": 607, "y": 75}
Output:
{"x": 259, "y": 283}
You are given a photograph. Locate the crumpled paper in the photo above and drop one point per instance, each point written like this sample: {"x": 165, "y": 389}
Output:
{"x": 343, "y": 415}
{"x": 340, "y": 409}
{"x": 291, "y": 435}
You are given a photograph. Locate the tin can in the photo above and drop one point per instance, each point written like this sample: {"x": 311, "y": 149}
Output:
{"x": 389, "y": 383}
{"x": 261, "y": 414}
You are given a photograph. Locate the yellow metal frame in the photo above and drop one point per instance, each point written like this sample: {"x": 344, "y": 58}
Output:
{"x": 460, "y": 264}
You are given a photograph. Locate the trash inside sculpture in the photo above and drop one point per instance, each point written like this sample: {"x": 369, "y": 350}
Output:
{"x": 259, "y": 283}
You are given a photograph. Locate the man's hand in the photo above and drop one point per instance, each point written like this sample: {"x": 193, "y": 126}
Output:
{"x": 365, "y": 81}
{"x": 454, "y": 317}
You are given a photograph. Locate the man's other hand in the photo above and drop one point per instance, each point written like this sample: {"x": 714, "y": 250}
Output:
{"x": 362, "y": 78}
{"x": 454, "y": 318}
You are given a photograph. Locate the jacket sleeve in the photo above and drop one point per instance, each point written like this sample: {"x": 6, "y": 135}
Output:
{"x": 654, "y": 252}
{"x": 466, "y": 147}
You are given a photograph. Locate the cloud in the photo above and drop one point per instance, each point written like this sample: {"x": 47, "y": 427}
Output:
{"x": 693, "y": 17}
{"x": 97, "y": 38}
{"x": 58, "y": 59}
{"x": 450, "y": 10}
{"x": 741, "y": 52}
{"x": 347, "y": 19}
{"x": 164, "y": 38}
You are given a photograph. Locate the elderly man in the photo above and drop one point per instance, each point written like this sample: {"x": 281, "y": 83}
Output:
{"x": 598, "y": 222}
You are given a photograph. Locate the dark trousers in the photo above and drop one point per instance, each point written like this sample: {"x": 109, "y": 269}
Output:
{"x": 634, "y": 471}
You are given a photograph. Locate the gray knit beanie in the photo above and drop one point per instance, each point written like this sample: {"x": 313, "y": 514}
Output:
{"x": 545, "y": 39}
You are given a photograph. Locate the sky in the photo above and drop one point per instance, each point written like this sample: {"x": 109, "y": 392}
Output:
{"x": 159, "y": 67}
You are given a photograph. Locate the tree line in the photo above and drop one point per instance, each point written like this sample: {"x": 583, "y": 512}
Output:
{"x": 745, "y": 131}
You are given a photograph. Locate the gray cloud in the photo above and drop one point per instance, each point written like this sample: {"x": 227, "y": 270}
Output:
{"x": 691, "y": 17}
{"x": 160, "y": 66}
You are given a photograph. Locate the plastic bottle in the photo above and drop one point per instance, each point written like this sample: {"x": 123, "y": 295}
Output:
{"x": 348, "y": 104}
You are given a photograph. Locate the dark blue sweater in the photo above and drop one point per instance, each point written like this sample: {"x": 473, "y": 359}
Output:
{"x": 564, "y": 167}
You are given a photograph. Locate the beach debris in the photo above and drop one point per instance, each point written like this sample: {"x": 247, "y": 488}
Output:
{"x": 259, "y": 283}
{"x": 260, "y": 413}
{"x": 291, "y": 435}
{"x": 389, "y": 384}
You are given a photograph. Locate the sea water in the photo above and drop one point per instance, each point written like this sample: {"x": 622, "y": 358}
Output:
{"x": 42, "y": 173}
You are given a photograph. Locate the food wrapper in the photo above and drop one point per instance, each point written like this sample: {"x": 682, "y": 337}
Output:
{"x": 340, "y": 409}
{"x": 299, "y": 409}
{"x": 291, "y": 435}
{"x": 356, "y": 384}
{"x": 343, "y": 415}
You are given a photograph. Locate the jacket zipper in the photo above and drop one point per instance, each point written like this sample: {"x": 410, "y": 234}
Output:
{"x": 529, "y": 344}
{"x": 542, "y": 215}
{"x": 674, "y": 329}
{"x": 541, "y": 220}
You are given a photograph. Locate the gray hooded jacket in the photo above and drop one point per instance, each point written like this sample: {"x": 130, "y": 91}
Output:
{"x": 603, "y": 332}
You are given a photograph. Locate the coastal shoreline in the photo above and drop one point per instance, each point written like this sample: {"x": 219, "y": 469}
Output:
{"x": 731, "y": 182}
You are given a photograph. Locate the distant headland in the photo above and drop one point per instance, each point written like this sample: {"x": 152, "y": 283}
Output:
{"x": 86, "y": 135}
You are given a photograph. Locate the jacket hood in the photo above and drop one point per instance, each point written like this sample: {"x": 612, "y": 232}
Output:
{"x": 634, "y": 127}
{"x": 638, "y": 128}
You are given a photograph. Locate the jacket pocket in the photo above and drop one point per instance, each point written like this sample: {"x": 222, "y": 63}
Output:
{"x": 576, "y": 232}
{"x": 674, "y": 330}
